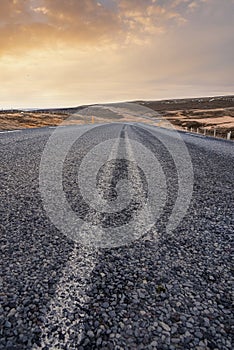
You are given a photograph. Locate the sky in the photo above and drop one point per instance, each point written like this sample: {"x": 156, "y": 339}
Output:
{"x": 57, "y": 53}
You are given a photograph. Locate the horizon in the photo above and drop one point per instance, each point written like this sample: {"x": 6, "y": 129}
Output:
{"x": 110, "y": 102}
{"x": 58, "y": 54}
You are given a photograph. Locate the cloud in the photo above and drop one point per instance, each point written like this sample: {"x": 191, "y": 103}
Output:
{"x": 57, "y": 52}
{"x": 32, "y": 24}
{"x": 45, "y": 23}
{"x": 193, "y": 5}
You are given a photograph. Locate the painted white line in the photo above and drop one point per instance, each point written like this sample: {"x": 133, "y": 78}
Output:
{"x": 145, "y": 213}
{"x": 70, "y": 296}
{"x": 69, "y": 299}
{"x": 7, "y": 131}
{"x": 196, "y": 135}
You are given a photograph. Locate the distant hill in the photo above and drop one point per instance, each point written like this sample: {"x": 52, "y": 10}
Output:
{"x": 190, "y": 103}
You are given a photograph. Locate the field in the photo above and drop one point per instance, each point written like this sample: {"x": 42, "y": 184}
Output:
{"x": 205, "y": 115}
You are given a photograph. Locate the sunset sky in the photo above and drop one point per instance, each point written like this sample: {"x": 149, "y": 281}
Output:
{"x": 73, "y": 52}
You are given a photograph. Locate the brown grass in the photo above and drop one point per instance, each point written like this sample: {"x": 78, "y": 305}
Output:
{"x": 22, "y": 120}
{"x": 203, "y": 114}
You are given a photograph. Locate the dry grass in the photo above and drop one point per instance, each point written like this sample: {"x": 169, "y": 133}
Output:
{"x": 220, "y": 119}
{"x": 16, "y": 121}
{"x": 203, "y": 114}
{"x": 23, "y": 120}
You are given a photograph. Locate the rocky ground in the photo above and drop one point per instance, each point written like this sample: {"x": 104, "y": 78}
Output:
{"x": 164, "y": 291}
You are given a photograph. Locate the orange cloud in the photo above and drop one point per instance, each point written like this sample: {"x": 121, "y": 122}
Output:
{"x": 32, "y": 24}
{"x": 51, "y": 23}
{"x": 57, "y": 52}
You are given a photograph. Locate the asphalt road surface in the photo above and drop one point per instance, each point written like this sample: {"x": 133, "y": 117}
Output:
{"x": 162, "y": 283}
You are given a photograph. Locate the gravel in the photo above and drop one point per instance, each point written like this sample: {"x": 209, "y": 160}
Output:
{"x": 163, "y": 291}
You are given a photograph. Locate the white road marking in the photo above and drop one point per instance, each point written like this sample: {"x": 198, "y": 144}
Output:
{"x": 69, "y": 299}
{"x": 70, "y": 292}
{"x": 145, "y": 213}
{"x": 7, "y": 131}
{"x": 191, "y": 134}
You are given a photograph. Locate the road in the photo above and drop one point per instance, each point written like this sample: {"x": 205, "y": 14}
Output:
{"x": 147, "y": 265}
